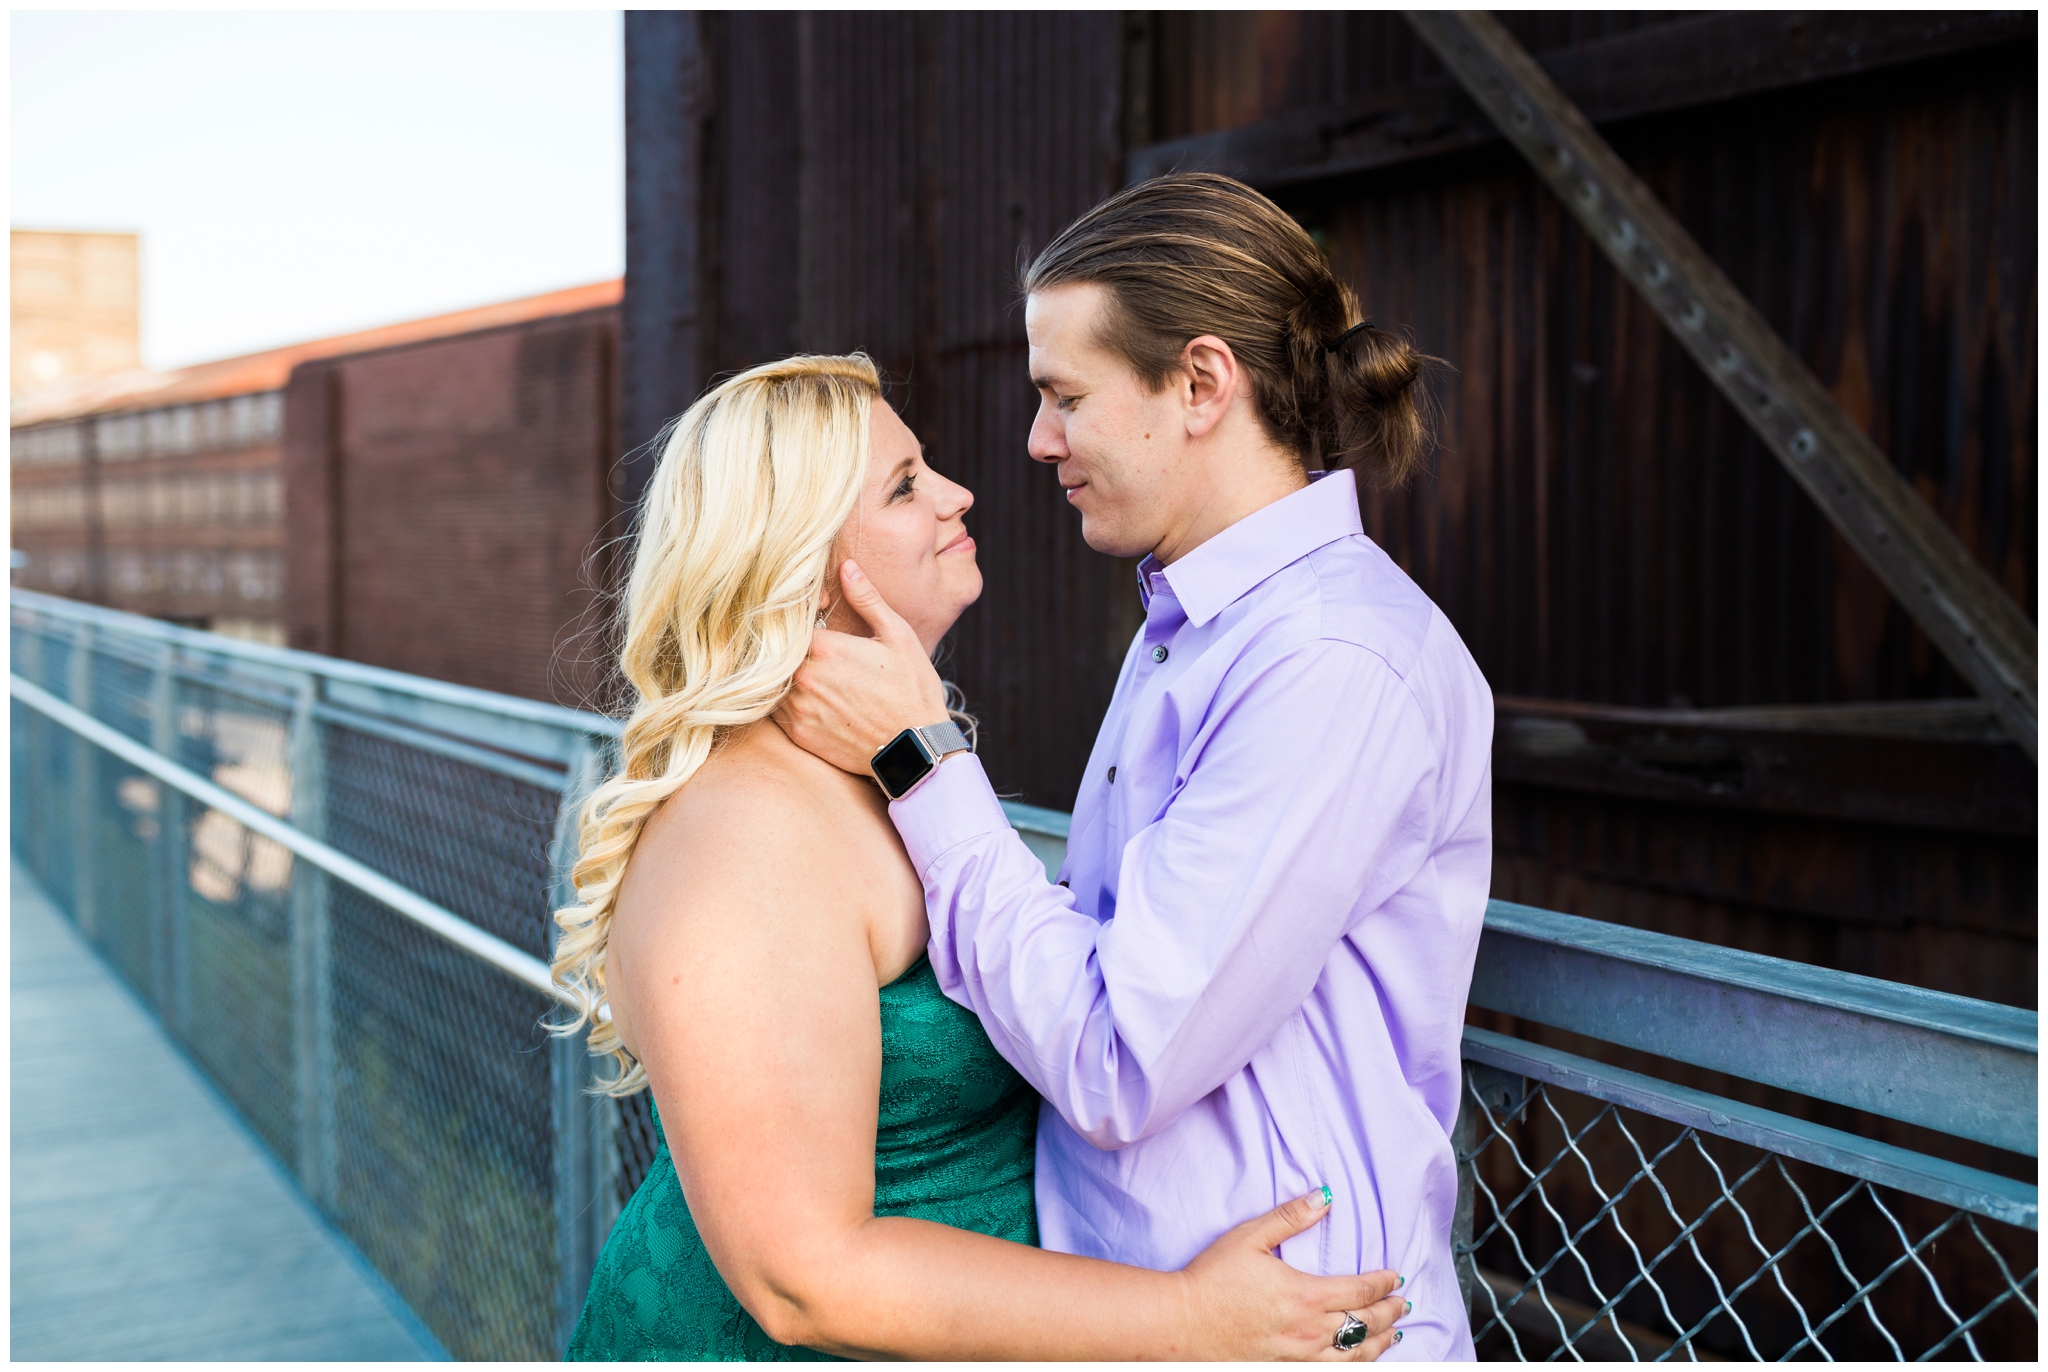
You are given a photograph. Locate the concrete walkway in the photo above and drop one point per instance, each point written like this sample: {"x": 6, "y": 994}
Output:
{"x": 146, "y": 1223}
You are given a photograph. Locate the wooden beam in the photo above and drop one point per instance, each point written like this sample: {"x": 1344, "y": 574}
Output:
{"x": 1925, "y": 764}
{"x": 1920, "y": 560}
{"x": 1666, "y": 67}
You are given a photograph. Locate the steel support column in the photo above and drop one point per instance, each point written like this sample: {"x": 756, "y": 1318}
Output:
{"x": 314, "y": 1063}
{"x": 168, "y": 945}
{"x": 85, "y": 770}
{"x": 586, "y": 1125}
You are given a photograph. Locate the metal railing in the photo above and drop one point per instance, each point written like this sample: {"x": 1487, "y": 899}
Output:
{"x": 1754, "y": 1211}
{"x": 333, "y": 883}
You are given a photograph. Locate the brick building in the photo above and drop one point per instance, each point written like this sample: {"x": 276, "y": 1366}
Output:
{"x": 162, "y": 492}
{"x": 445, "y": 502}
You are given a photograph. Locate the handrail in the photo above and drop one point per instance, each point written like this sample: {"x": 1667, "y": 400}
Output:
{"x": 1951, "y": 1183}
{"x": 329, "y": 668}
{"x": 1964, "y": 1067}
{"x": 436, "y": 919}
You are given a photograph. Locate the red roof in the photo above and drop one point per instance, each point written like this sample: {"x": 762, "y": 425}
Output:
{"x": 267, "y": 371}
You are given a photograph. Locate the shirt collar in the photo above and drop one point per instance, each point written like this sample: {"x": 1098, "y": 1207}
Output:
{"x": 1214, "y": 575}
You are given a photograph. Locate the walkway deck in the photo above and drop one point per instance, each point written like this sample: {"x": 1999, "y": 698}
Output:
{"x": 146, "y": 1223}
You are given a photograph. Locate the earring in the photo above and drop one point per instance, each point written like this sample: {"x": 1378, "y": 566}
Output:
{"x": 821, "y": 622}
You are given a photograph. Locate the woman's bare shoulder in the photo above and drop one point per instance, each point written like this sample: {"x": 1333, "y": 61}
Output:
{"x": 761, "y": 823}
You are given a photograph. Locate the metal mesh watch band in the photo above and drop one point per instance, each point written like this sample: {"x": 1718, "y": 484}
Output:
{"x": 943, "y": 740}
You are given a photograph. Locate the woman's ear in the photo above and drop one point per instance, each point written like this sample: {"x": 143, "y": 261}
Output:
{"x": 1209, "y": 383}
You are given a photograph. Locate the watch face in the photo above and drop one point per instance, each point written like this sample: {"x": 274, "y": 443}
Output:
{"x": 900, "y": 765}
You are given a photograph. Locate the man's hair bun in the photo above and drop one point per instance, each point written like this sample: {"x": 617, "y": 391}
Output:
{"x": 1196, "y": 253}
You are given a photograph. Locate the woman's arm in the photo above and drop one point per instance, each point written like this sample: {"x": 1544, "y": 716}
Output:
{"x": 751, "y": 984}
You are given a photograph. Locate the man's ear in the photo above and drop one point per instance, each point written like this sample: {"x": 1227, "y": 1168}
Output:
{"x": 1209, "y": 382}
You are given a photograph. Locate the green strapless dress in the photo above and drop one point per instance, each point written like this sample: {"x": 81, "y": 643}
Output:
{"x": 954, "y": 1143}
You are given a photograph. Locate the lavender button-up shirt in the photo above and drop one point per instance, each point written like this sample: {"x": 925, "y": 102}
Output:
{"x": 1251, "y": 978}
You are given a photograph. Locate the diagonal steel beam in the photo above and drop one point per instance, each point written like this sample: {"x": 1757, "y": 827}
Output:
{"x": 1967, "y": 614}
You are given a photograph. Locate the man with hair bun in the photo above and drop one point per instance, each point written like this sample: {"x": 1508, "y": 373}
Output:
{"x": 1251, "y": 975}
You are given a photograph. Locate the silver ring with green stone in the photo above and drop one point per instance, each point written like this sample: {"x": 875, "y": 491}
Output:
{"x": 1351, "y": 1333}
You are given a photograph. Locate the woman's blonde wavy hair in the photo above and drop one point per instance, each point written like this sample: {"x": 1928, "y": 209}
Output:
{"x": 754, "y": 483}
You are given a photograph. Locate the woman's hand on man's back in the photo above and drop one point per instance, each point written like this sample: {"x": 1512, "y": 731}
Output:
{"x": 1251, "y": 1306}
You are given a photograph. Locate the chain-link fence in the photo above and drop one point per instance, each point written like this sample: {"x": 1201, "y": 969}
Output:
{"x": 333, "y": 884}
{"x": 1620, "y": 1236}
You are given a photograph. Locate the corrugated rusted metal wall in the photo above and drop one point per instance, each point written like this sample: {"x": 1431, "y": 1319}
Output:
{"x": 1598, "y": 524}
{"x": 868, "y": 182}
{"x": 1601, "y": 525}
{"x": 1218, "y": 69}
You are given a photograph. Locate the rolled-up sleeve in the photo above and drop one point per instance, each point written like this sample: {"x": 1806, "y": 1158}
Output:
{"x": 1229, "y": 902}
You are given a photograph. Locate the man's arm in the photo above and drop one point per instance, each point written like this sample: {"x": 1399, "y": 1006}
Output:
{"x": 1307, "y": 798}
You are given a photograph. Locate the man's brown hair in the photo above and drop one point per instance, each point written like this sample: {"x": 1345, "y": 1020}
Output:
{"x": 1196, "y": 253}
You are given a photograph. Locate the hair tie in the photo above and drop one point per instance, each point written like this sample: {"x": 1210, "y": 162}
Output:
{"x": 1345, "y": 337}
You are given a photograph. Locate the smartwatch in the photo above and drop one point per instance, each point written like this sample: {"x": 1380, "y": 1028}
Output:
{"x": 911, "y": 756}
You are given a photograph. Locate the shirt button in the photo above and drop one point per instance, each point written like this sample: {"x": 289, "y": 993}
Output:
{"x": 1112, "y": 776}
{"x": 1159, "y": 653}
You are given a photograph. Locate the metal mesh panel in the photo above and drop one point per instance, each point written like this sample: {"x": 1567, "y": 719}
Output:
{"x": 53, "y": 760}
{"x": 120, "y": 693}
{"x": 232, "y": 999}
{"x": 443, "y": 1170}
{"x": 466, "y": 837}
{"x": 123, "y": 889}
{"x": 1602, "y": 1233}
{"x": 122, "y": 814}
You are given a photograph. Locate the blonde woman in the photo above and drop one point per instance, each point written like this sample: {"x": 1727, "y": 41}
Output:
{"x": 847, "y": 1163}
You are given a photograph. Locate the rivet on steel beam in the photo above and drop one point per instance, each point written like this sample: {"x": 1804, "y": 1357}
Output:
{"x": 1695, "y": 315}
{"x": 1624, "y": 236}
{"x": 1659, "y": 272}
{"x": 1589, "y": 194}
{"x": 1729, "y": 359}
{"x": 1803, "y": 443}
{"x": 1523, "y": 118}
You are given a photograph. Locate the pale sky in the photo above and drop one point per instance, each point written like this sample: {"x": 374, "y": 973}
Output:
{"x": 299, "y": 174}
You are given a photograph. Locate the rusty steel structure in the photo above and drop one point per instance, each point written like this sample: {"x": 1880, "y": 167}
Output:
{"x": 1715, "y": 720}
{"x": 1919, "y": 559}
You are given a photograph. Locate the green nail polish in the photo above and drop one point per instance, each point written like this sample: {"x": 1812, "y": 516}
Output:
{"x": 1400, "y": 1280}
{"x": 1327, "y": 1197}
{"x": 1399, "y": 1335}
{"x": 1407, "y": 1307}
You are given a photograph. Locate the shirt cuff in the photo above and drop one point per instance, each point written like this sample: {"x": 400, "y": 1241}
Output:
{"x": 954, "y": 804}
